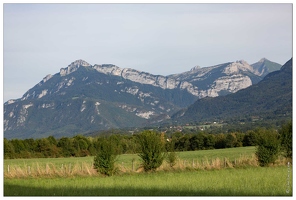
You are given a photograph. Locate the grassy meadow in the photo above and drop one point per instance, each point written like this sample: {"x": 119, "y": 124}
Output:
{"x": 253, "y": 181}
{"x": 219, "y": 172}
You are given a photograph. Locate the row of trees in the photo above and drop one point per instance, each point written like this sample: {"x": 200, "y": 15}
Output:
{"x": 80, "y": 146}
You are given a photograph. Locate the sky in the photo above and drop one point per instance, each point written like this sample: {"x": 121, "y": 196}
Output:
{"x": 162, "y": 39}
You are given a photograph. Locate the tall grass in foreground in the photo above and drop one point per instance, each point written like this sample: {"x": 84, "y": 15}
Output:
{"x": 251, "y": 181}
{"x": 50, "y": 170}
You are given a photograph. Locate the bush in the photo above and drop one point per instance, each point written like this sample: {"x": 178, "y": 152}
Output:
{"x": 286, "y": 139}
{"x": 151, "y": 150}
{"x": 268, "y": 147}
{"x": 105, "y": 159}
{"x": 172, "y": 158}
{"x": 172, "y": 155}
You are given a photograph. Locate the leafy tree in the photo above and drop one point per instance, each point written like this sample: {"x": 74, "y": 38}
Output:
{"x": 80, "y": 144}
{"x": 231, "y": 140}
{"x": 116, "y": 139}
{"x": 19, "y": 146}
{"x": 286, "y": 139}
{"x": 104, "y": 161}
{"x": 268, "y": 147}
{"x": 209, "y": 141}
{"x": 8, "y": 149}
{"x": 183, "y": 143}
{"x": 175, "y": 140}
{"x": 45, "y": 147}
{"x": 30, "y": 145}
{"x": 239, "y": 139}
{"x": 91, "y": 146}
{"x": 66, "y": 146}
{"x": 52, "y": 140}
{"x": 250, "y": 138}
{"x": 152, "y": 150}
{"x": 197, "y": 142}
{"x": 220, "y": 141}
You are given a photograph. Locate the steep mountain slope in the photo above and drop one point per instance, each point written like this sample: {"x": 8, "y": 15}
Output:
{"x": 82, "y": 97}
{"x": 264, "y": 67}
{"x": 270, "y": 98}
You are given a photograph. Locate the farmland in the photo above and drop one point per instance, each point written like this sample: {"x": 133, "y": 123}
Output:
{"x": 195, "y": 174}
{"x": 22, "y": 167}
{"x": 231, "y": 153}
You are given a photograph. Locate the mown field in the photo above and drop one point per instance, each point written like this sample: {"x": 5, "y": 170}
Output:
{"x": 196, "y": 174}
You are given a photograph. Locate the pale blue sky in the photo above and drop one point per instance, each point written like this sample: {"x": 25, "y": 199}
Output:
{"x": 164, "y": 39}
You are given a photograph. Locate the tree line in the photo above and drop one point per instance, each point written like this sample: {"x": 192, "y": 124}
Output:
{"x": 80, "y": 146}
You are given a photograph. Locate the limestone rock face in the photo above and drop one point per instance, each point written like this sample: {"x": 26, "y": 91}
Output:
{"x": 84, "y": 97}
{"x": 219, "y": 79}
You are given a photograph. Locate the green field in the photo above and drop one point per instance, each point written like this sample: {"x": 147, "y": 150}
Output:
{"x": 126, "y": 159}
{"x": 76, "y": 177}
{"x": 253, "y": 181}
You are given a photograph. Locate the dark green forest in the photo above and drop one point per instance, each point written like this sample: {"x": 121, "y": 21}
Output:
{"x": 125, "y": 142}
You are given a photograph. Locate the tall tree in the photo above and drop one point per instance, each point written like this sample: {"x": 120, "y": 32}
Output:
{"x": 8, "y": 149}
{"x": 268, "y": 147}
{"x": 152, "y": 150}
{"x": 287, "y": 139}
{"x": 104, "y": 161}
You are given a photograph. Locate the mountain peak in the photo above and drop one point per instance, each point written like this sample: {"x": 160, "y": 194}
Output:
{"x": 262, "y": 60}
{"x": 243, "y": 62}
{"x": 195, "y": 68}
{"x": 265, "y": 66}
{"x": 80, "y": 62}
{"x": 73, "y": 67}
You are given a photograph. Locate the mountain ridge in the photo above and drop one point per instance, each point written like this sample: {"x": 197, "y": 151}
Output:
{"x": 84, "y": 97}
{"x": 269, "y": 98}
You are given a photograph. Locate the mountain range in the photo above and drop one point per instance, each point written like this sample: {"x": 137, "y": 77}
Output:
{"x": 84, "y": 97}
{"x": 271, "y": 98}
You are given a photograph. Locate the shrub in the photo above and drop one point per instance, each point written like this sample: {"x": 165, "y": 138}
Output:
{"x": 105, "y": 159}
{"x": 286, "y": 139}
{"x": 151, "y": 150}
{"x": 268, "y": 147}
{"x": 172, "y": 158}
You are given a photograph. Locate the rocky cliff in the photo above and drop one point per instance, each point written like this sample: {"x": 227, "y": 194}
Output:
{"x": 84, "y": 97}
